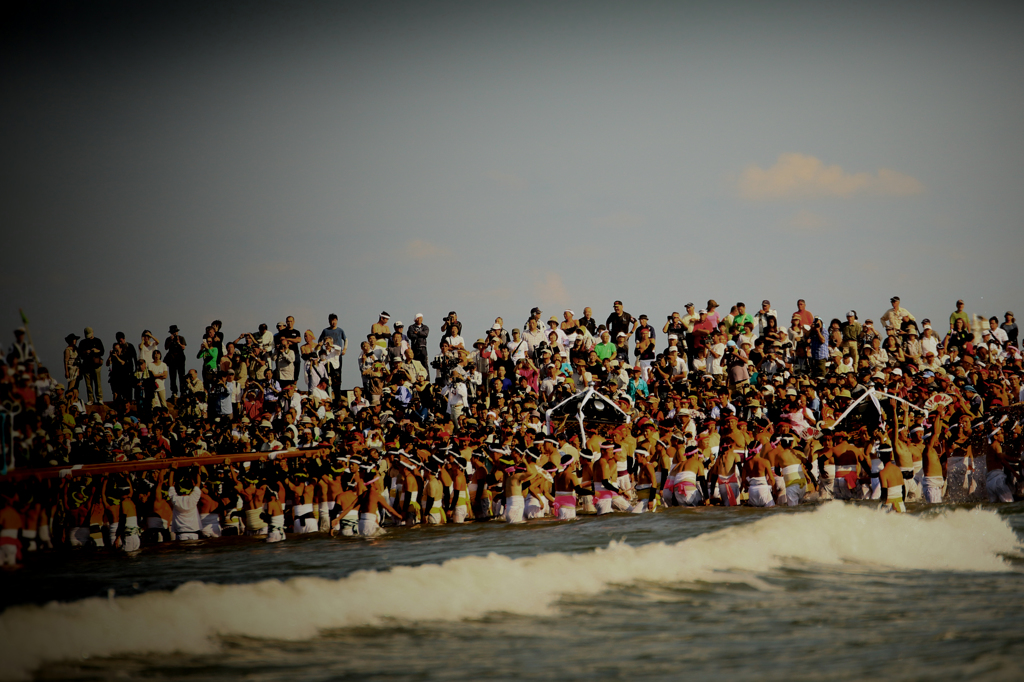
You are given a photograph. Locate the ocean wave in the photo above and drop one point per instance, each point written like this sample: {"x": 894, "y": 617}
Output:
{"x": 191, "y": 617}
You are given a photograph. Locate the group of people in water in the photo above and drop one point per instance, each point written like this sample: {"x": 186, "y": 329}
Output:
{"x": 778, "y": 417}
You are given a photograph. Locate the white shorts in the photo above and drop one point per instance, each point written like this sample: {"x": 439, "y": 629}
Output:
{"x": 536, "y": 508}
{"x": 603, "y": 506}
{"x": 275, "y": 535}
{"x": 132, "y": 543}
{"x": 910, "y": 485}
{"x": 79, "y": 536}
{"x": 325, "y": 516}
{"x": 368, "y": 526}
{"x": 514, "y": 508}
{"x": 8, "y": 555}
{"x": 211, "y": 525}
{"x": 933, "y": 489}
{"x": 566, "y": 513}
{"x": 691, "y": 499}
{"x": 760, "y": 496}
{"x": 998, "y": 489}
{"x": 795, "y": 494}
{"x": 643, "y": 496}
{"x": 188, "y": 536}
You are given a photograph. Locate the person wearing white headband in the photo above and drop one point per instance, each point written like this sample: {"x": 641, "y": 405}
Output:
{"x": 995, "y": 459}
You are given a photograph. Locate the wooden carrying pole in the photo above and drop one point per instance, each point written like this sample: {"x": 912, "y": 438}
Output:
{"x": 148, "y": 464}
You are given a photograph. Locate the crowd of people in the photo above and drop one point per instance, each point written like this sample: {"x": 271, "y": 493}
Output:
{"x": 709, "y": 408}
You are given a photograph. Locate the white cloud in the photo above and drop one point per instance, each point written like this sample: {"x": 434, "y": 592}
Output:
{"x": 808, "y": 221}
{"x": 508, "y": 181}
{"x": 549, "y": 288}
{"x": 798, "y": 176}
{"x": 421, "y": 249}
{"x": 619, "y": 221}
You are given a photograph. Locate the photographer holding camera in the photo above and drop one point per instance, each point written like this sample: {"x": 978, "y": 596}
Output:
{"x": 447, "y": 361}
{"x": 819, "y": 348}
{"x": 174, "y": 356}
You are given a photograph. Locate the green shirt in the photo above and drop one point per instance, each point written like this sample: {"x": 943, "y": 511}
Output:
{"x": 959, "y": 316}
{"x": 605, "y": 350}
{"x": 210, "y": 357}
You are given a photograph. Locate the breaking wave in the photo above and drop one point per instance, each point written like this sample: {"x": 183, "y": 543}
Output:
{"x": 191, "y": 617}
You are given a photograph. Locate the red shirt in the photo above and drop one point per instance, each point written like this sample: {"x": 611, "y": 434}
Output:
{"x": 805, "y": 317}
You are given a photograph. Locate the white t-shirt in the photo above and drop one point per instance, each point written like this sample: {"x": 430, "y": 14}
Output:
{"x": 518, "y": 349}
{"x": 158, "y": 368}
{"x": 146, "y": 351}
{"x": 930, "y": 345}
{"x": 716, "y": 362}
{"x": 186, "y": 511}
{"x": 285, "y": 365}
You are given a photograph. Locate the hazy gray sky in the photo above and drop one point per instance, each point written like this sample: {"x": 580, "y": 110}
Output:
{"x": 174, "y": 164}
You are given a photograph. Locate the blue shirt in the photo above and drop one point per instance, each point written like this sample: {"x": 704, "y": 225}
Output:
{"x": 819, "y": 349}
{"x": 337, "y": 335}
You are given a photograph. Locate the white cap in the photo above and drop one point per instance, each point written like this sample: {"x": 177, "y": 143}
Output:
{"x": 419, "y": 316}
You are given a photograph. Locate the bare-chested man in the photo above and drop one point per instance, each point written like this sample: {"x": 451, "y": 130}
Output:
{"x": 758, "y": 479}
{"x": 303, "y": 489}
{"x": 515, "y": 476}
{"x": 346, "y": 504}
{"x": 725, "y": 472}
{"x": 371, "y": 498}
{"x": 433, "y": 495}
{"x": 791, "y": 468}
{"x": 934, "y": 481}
{"x": 996, "y": 459}
{"x": 647, "y": 490}
{"x": 607, "y": 495}
{"x": 274, "y": 517}
{"x": 252, "y": 499}
{"x": 566, "y": 485}
{"x": 851, "y": 465}
{"x": 907, "y": 452}
{"x": 688, "y": 479}
{"x": 890, "y": 478}
{"x": 11, "y": 523}
{"x": 459, "y": 510}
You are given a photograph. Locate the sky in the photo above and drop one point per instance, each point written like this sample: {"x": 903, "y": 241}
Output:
{"x": 173, "y": 163}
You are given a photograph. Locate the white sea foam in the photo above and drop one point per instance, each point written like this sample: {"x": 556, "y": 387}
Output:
{"x": 191, "y": 617}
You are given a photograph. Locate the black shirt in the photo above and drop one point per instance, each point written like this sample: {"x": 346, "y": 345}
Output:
{"x": 619, "y": 323}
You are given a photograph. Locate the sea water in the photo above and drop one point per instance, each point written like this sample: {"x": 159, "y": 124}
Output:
{"x": 837, "y": 591}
